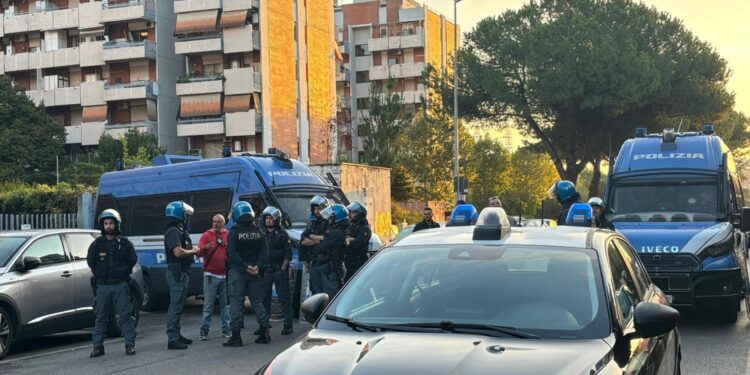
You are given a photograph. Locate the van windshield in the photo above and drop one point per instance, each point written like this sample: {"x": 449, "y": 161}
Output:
{"x": 297, "y": 204}
{"x": 673, "y": 201}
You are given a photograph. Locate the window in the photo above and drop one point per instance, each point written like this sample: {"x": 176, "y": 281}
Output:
{"x": 104, "y": 202}
{"x": 49, "y": 250}
{"x": 79, "y": 245}
{"x": 208, "y": 203}
{"x": 624, "y": 287}
{"x": 363, "y": 103}
{"x": 641, "y": 277}
{"x": 363, "y": 77}
{"x": 361, "y": 50}
{"x": 150, "y": 214}
{"x": 383, "y": 31}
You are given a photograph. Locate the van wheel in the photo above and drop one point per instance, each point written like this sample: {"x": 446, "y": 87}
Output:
{"x": 151, "y": 299}
{"x": 6, "y": 332}
{"x": 113, "y": 327}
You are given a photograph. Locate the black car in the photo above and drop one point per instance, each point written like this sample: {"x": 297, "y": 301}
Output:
{"x": 492, "y": 299}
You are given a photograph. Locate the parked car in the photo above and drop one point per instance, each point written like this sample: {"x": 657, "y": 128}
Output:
{"x": 492, "y": 299}
{"x": 45, "y": 285}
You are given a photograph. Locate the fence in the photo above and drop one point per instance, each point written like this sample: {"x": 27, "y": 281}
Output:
{"x": 10, "y": 222}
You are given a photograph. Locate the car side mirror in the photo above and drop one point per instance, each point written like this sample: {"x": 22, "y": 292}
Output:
{"x": 653, "y": 319}
{"x": 30, "y": 263}
{"x": 313, "y": 307}
{"x": 744, "y": 224}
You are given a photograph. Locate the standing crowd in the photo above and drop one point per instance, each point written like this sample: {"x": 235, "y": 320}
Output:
{"x": 249, "y": 260}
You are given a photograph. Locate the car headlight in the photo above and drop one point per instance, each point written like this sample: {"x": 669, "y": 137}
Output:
{"x": 720, "y": 248}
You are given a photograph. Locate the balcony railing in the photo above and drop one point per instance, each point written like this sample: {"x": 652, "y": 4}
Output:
{"x": 189, "y": 121}
{"x": 193, "y": 36}
{"x": 125, "y": 44}
{"x": 129, "y": 3}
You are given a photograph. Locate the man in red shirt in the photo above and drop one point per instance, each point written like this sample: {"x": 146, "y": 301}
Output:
{"x": 212, "y": 247}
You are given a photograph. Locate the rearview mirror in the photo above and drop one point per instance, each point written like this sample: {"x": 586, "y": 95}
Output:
{"x": 745, "y": 219}
{"x": 29, "y": 263}
{"x": 313, "y": 307}
{"x": 653, "y": 319}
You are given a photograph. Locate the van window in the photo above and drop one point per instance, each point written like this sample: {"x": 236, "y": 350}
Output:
{"x": 147, "y": 217}
{"x": 208, "y": 203}
{"x": 104, "y": 202}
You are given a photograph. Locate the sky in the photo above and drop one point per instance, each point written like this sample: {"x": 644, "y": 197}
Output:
{"x": 725, "y": 24}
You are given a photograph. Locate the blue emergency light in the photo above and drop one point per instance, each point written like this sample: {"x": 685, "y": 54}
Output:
{"x": 580, "y": 215}
{"x": 640, "y": 132}
{"x": 708, "y": 129}
{"x": 463, "y": 214}
{"x": 226, "y": 151}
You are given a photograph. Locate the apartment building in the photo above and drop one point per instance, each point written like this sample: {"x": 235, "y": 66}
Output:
{"x": 98, "y": 66}
{"x": 379, "y": 40}
{"x": 258, "y": 74}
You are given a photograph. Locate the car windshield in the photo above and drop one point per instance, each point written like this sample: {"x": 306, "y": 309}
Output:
{"x": 297, "y": 204}
{"x": 549, "y": 292}
{"x": 8, "y": 247}
{"x": 674, "y": 201}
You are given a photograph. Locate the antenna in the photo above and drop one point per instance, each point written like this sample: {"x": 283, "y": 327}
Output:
{"x": 679, "y": 126}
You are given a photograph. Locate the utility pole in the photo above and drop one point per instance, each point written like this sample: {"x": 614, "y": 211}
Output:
{"x": 456, "y": 176}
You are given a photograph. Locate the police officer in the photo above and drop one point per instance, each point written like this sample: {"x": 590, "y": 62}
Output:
{"x": 180, "y": 257}
{"x": 277, "y": 274}
{"x": 565, "y": 193}
{"x": 357, "y": 239}
{"x": 248, "y": 260}
{"x": 597, "y": 206}
{"x": 324, "y": 272}
{"x": 312, "y": 236}
{"x": 111, "y": 258}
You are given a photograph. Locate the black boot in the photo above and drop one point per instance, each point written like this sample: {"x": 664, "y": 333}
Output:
{"x": 129, "y": 349}
{"x": 234, "y": 341}
{"x": 176, "y": 345}
{"x": 286, "y": 331}
{"x": 97, "y": 352}
{"x": 263, "y": 336}
{"x": 185, "y": 340}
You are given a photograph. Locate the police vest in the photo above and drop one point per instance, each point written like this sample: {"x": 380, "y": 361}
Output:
{"x": 185, "y": 243}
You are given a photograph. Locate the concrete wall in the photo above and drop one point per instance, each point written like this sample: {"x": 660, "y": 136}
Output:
{"x": 168, "y": 67}
{"x": 368, "y": 185}
{"x": 321, "y": 78}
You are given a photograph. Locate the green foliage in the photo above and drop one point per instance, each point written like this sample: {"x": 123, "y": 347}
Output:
{"x": 400, "y": 214}
{"x": 135, "y": 148}
{"x": 110, "y": 149}
{"x": 491, "y": 171}
{"x": 87, "y": 174}
{"x": 427, "y": 152}
{"x": 733, "y": 129}
{"x": 383, "y": 125}
{"x": 532, "y": 175}
{"x": 22, "y": 198}
{"x": 580, "y": 74}
{"x": 402, "y": 184}
{"x": 30, "y": 140}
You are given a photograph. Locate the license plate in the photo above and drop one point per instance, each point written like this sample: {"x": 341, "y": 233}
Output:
{"x": 670, "y": 298}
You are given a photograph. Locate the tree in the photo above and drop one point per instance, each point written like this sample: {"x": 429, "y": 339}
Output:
{"x": 110, "y": 149}
{"x": 134, "y": 148}
{"x": 30, "y": 140}
{"x": 733, "y": 129}
{"x": 402, "y": 184}
{"x": 532, "y": 175}
{"x": 491, "y": 171}
{"x": 580, "y": 74}
{"x": 383, "y": 124}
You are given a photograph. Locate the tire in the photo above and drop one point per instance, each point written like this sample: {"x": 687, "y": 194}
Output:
{"x": 113, "y": 327}
{"x": 152, "y": 301}
{"x": 7, "y": 332}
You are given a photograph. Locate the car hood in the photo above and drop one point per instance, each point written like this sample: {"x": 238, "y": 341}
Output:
{"x": 357, "y": 353}
{"x": 673, "y": 237}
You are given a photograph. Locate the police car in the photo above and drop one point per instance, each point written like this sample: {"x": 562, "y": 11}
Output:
{"x": 492, "y": 299}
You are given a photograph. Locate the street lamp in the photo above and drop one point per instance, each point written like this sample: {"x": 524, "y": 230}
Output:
{"x": 456, "y": 178}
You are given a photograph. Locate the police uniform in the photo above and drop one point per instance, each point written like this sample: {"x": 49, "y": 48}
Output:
{"x": 316, "y": 226}
{"x": 324, "y": 272}
{"x": 246, "y": 247}
{"x": 279, "y": 250}
{"x": 111, "y": 263}
{"x": 422, "y": 225}
{"x": 178, "y": 277}
{"x": 356, "y": 249}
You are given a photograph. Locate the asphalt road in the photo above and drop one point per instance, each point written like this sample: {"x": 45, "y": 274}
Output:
{"x": 707, "y": 347}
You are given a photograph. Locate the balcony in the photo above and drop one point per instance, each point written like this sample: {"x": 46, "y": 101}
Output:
{"x": 123, "y": 51}
{"x": 41, "y": 21}
{"x": 381, "y": 72}
{"x": 17, "y": 62}
{"x": 132, "y": 10}
{"x": 56, "y": 97}
{"x": 90, "y": 15}
{"x": 240, "y": 39}
{"x": 241, "y": 81}
{"x": 396, "y": 42}
{"x": 200, "y": 85}
{"x": 2, "y": 63}
{"x": 129, "y": 91}
{"x": 342, "y": 76}
{"x": 92, "y": 53}
{"x": 119, "y": 130}
{"x": 73, "y": 134}
{"x": 2, "y": 27}
{"x": 363, "y": 90}
{"x": 230, "y": 5}
{"x": 184, "y": 6}
{"x": 208, "y": 42}
{"x": 413, "y": 96}
{"x": 240, "y": 124}
{"x": 201, "y": 126}
{"x": 92, "y": 93}
{"x": 40, "y": 60}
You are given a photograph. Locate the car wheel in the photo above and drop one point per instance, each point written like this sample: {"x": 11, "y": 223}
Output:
{"x": 6, "y": 332}
{"x": 151, "y": 299}
{"x": 113, "y": 327}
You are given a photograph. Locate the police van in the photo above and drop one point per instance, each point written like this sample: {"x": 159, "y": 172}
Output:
{"x": 677, "y": 197}
{"x": 210, "y": 186}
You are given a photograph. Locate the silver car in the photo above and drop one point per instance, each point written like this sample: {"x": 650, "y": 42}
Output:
{"x": 45, "y": 284}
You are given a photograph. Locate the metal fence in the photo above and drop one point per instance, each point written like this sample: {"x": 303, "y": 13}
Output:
{"x": 37, "y": 221}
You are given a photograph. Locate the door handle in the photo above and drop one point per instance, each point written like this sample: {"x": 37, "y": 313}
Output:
{"x": 66, "y": 274}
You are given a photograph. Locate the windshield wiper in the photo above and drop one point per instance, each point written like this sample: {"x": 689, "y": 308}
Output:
{"x": 352, "y": 323}
{"x": 450, "y": 326}
{"x": 355, "y": 325}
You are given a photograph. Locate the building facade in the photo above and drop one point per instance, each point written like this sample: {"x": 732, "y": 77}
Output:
{"x": 97, "y": 66}
{"x": 380, "y": 40}
{"x": 258, "y": 74}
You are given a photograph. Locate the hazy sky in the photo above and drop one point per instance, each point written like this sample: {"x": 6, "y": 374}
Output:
{"x": 723, "y": 23}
